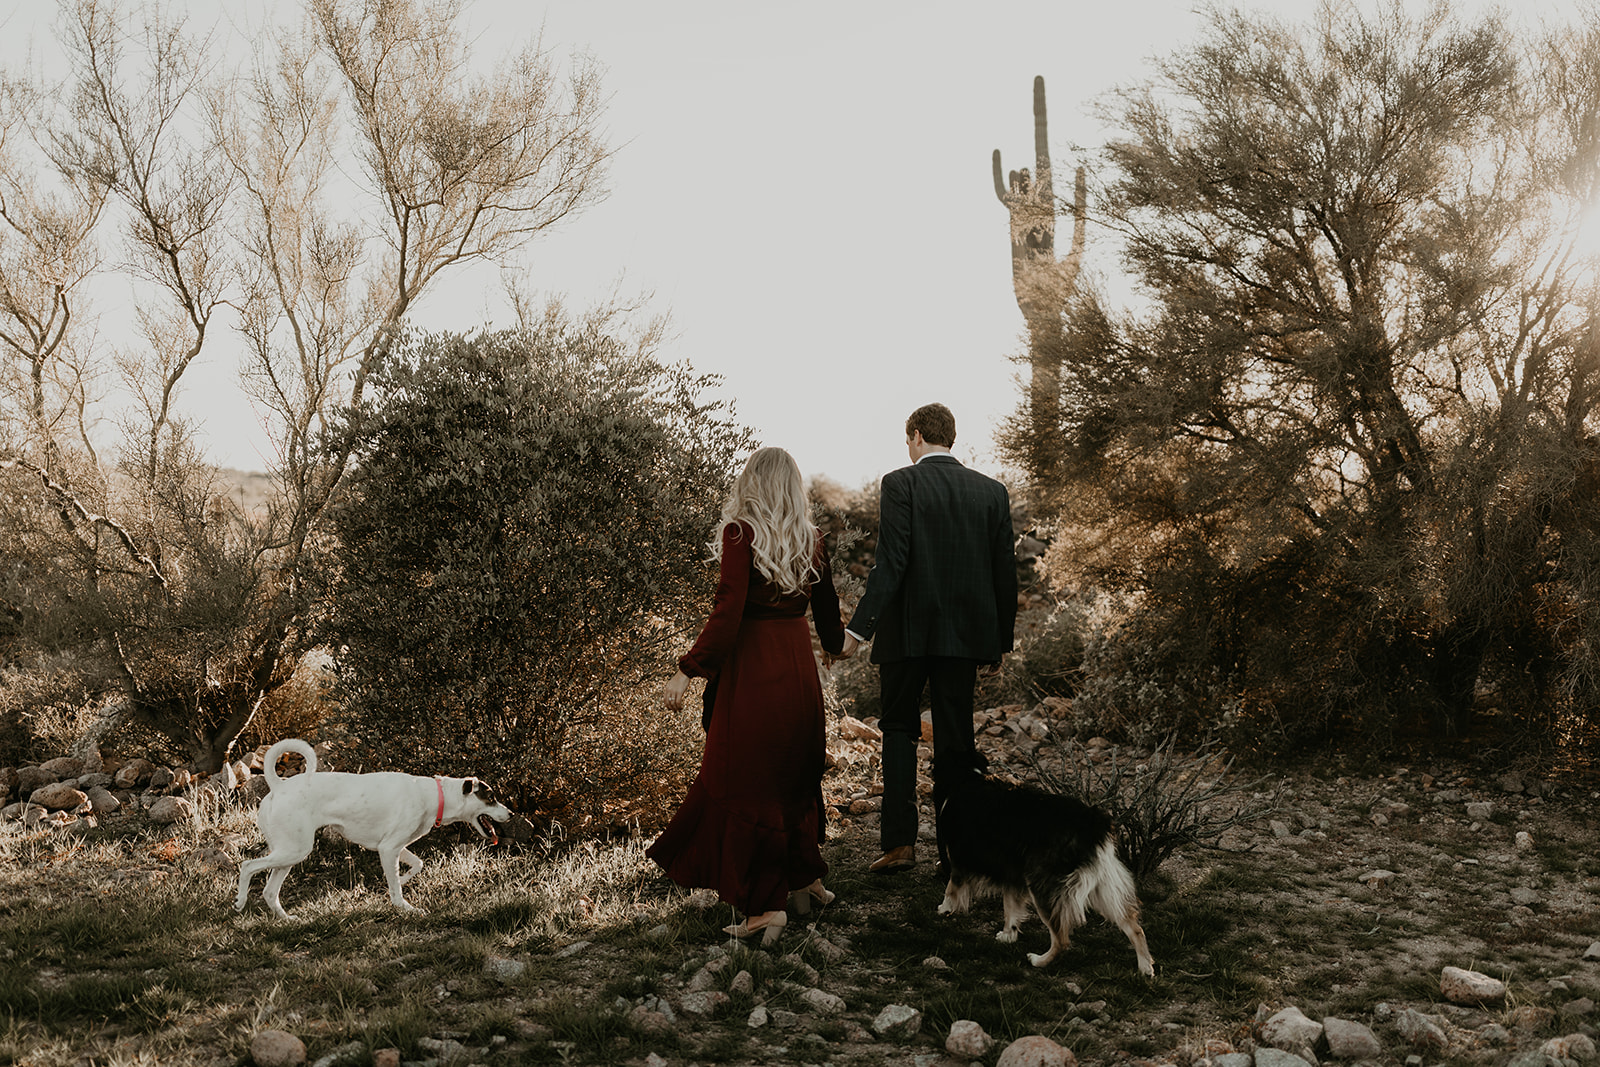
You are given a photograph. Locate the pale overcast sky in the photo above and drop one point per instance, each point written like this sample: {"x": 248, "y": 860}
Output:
{"x": 806, "y": 189}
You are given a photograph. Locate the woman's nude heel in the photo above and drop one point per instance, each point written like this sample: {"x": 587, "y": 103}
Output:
{"x": 769, "y": 926}
{"x": 800, "y": 900}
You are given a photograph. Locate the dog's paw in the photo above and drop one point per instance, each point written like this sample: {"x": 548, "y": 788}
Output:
{"x": 1006, "y": 936}
{"x": 946, "y": 908}
{"x": 1038, "y": 959}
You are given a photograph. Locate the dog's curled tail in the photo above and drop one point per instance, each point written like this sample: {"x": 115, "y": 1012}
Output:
{"x": 275, "y": 753}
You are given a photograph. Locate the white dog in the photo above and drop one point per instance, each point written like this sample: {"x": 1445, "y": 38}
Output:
{"x": 384, "y": 811}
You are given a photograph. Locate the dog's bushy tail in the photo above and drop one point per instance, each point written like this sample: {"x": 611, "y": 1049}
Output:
{"x": 275, "y": 753}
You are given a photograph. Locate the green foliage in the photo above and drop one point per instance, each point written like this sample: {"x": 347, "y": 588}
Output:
{"x": 520, "y": 547}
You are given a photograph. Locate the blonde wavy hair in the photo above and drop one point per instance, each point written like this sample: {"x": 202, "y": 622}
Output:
{"x": 769, "y": 495}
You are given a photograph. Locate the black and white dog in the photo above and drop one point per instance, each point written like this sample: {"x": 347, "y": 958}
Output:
{"x": 384, "y": 811}
{"x": 1026, "y": 844}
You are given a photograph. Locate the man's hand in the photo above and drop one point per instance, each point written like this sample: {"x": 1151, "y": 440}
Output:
{"x": 672, "y": 695}
{"x": 989, "y": 670}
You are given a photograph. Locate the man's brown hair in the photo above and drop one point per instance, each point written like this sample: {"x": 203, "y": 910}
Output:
{"x": 936, "y": 424}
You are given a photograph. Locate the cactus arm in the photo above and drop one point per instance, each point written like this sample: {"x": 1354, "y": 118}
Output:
{"x": 999, "y": 185}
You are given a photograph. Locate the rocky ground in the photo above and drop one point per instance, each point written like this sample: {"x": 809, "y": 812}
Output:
{"x": 1439, "y": 911}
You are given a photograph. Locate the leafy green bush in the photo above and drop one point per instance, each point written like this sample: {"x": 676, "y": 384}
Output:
{"x": 521, "y": 551}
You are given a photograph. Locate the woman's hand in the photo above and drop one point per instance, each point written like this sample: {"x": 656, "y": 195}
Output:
{"x": 672, "y": 695}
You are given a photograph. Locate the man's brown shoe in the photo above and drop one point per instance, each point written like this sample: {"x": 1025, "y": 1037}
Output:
{"x": 896, "y": 859}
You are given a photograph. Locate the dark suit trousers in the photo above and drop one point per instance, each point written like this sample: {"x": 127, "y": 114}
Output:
{"x": 902, "y": 682}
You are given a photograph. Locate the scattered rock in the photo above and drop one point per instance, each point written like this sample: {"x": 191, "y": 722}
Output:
{"x": 1481, "y": 810}
{"x": 276, "y": 1048}
{"x": 1579, "y": 1047}
{"x": 1291, "y": 1031}
{"x": 1036, "y": 1051}
{"x": 758, "y": 1018}
{"x": 823, "y": 1002}
{"x": 63, "y": 767}
{"x": 350, "y": 1054}
{"x": 706, "y": 1002}
{"x": 171, "y": 810}
{"x": 134, "y": 773}
{"x": 897, "y": 1021}
{"x": 852, "y": 729}
{"x": 504, "y": 970}
{"x": 58, "y": 796}
{"x": 1530, "y": 1017}
{"x": 1348, "y": 1040}
{"x": 1422, "y": 1031}
{"x": 1277, "y": 1057}
{"x": 1470, "y": 987}
{"x": 968, "y": 1040}
{"x": 1573, "y": 1009}
{"x": 30, "y": 779}
{"x": 649, "y": 1020}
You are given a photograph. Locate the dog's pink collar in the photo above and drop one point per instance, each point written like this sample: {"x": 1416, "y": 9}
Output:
{"x": 438, "y": 820}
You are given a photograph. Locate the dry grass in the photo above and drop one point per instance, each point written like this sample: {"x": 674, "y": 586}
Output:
{"x": 121, "y": 946}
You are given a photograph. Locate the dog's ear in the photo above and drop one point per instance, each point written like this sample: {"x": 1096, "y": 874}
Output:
{"x": 466, "y": 786}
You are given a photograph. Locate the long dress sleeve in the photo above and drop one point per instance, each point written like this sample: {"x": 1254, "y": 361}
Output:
{"x": 825, "y": 604}
{"x": 717, "y": 637}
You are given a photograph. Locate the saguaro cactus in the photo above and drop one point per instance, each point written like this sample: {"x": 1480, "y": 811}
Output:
{"x": 1042, "y": 283}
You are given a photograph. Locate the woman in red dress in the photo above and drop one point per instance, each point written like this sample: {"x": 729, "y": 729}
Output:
{"x": 752, "y": 823}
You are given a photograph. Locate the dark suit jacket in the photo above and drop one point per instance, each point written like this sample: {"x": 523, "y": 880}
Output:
{"x": 944, "y": 582}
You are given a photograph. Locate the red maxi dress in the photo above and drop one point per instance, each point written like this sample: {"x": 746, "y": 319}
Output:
{"x": 751, "y": 825}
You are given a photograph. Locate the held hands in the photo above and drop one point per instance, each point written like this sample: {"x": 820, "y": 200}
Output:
{"x": 849, "y": 649}
{"x": 672, "y": 695}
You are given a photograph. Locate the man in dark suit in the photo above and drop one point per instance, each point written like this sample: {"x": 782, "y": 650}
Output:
{"x": 940, "y": 603}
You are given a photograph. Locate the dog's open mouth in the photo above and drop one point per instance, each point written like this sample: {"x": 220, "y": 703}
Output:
{"x": 486, "y": 828}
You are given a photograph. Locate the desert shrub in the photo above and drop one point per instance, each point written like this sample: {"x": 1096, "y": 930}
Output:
{"x": 301, "y": 707}
{"x": 1161, "y": 804}
{"x": 45, "y": 706}
{"x": 1049, "y": 658}
{"x": 521, "y": 550}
